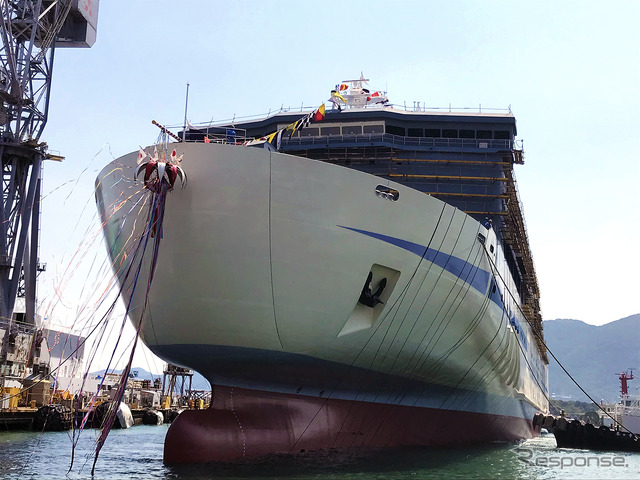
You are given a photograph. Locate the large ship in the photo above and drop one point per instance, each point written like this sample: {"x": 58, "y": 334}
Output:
{"x": 358, "y": 277}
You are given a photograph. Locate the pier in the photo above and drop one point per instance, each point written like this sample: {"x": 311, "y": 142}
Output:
{"x": 24, "y": 418}
{"x": 27, "y": 407}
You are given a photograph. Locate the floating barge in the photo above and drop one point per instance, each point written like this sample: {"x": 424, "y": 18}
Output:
{"x": 572, "y": 433}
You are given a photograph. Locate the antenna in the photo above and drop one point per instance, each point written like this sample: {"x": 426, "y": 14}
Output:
{"x": 186, "y": 104}
{"x": 624, "y": 379}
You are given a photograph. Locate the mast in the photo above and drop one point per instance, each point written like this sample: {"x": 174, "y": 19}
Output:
{"x": 624, "y": 379}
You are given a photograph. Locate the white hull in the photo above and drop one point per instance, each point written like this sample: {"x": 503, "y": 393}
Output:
{"x": 267, "y": 252}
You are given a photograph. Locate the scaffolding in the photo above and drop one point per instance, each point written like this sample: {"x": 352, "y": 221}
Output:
{"x": 514, "y": 234}
{"x": 174, "y": 380}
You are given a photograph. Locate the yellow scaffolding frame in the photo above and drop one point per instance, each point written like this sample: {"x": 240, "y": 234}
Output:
{"x": 459, "y": 162}
{"x": 443, "y": 177}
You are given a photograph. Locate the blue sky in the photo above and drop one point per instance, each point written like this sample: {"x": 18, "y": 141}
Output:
{"x": 569, "y": 70}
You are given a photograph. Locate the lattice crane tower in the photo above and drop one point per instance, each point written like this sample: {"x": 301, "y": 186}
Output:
{"x": 31, "y": 31}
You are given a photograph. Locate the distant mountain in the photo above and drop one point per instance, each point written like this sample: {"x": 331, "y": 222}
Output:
{"x": 593, "y": 355}
{"x": 197, "y": 383}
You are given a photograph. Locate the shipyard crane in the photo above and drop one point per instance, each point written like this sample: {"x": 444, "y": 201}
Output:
{"x": 31, "y": 31}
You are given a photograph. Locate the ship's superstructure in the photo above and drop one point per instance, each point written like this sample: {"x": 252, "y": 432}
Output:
{"x": 369, "y": 284}
{"x": 626, "y": 412}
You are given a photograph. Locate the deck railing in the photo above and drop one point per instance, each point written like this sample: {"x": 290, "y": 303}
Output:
{"x": 371, "y": 139}
{"x": 337, "y": 140}
{"x": 303, "y": 109}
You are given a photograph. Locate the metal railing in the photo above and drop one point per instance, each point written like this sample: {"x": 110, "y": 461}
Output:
{"x": 422, "y": 107}
{"x": 416, "y": 107}
{"x": 388, "y": 138}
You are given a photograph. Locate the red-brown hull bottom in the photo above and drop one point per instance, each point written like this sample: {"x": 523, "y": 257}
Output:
{"x": 245, "y": 423}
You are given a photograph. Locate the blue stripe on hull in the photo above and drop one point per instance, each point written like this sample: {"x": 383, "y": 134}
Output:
{"x": 465, "y": 271}
{"x": 469, "y": 273}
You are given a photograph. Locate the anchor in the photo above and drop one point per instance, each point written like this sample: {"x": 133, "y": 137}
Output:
{"x": 369, "y": 298}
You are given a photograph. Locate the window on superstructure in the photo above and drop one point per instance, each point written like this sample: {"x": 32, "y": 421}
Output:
{"x": 330, "y": 130}
{"x": 432, "y": 132}
{"x": 501, "y": 135}
{"x": 392, "y": 129}
{"x": 310, "y": 132}
{"x": 373, "y": 129}
{"x": 416, "y": 132}
{"x": 449, "y": 133}
{"x": 352, "y": 130}
{"x": 484, "y": 134}
{"x": 467, "y": 134}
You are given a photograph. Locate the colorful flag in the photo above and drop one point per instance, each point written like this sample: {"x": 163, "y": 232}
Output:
{"x": 291, "y": 128}
{"x": 337, "y": 95}
{"x": 141, "y": 155}
{"x": 305, "y": 121}
{"x": 319, "y": 114}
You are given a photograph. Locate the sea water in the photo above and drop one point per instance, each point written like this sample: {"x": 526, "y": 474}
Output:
{"x": 136, "y": 453}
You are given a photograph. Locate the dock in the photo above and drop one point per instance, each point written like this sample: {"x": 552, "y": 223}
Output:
{"x": 22, "y": 418}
